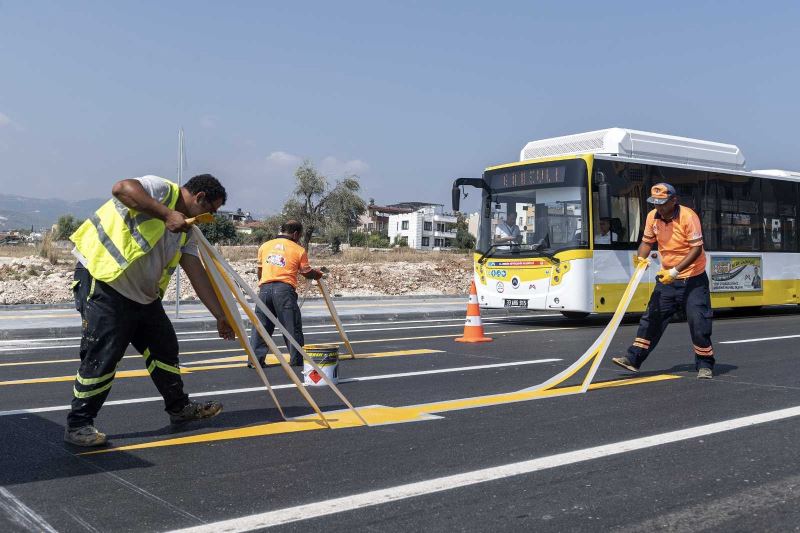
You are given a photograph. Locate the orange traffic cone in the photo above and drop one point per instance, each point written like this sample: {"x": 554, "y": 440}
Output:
{"x": 473, "y": 327}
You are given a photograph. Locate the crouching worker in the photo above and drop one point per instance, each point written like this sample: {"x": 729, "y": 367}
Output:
{"x": 126, "y": 254}
{"x": 279, "y": 262}
{"x": 682, "y": 282}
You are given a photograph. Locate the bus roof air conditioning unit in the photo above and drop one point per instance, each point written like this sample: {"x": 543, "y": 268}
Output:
{"x": 641, "y": 145}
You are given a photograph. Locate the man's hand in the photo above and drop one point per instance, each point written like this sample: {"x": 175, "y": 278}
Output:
{"x": 176, "y": 222}
{"x": 640, "y": 261}
{"x": 225, "y": 330}
{"x": 667, "y": 276}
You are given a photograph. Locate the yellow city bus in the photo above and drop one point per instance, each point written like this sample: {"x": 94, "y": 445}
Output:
{"x": 542, "y": 245}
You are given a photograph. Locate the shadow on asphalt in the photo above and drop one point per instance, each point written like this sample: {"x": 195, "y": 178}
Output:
{"x": 719, "y": 370}
{"x": 225, "y": 420}
{"x": 34, "y": 450}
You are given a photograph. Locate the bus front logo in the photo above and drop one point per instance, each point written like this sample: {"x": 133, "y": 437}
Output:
{"x": 500, "y": 286}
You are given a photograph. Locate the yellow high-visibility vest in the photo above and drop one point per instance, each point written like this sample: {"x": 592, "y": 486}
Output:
{"x": 116, "y": 236}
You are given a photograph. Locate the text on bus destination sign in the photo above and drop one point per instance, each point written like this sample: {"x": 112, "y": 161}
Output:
{"x": 521, "y": 177}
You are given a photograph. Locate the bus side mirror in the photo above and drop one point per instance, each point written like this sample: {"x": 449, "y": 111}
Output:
{"x": 456, "y": 198}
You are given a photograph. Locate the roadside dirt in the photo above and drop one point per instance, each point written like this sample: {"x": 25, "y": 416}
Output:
{"x": 33, "y": 280}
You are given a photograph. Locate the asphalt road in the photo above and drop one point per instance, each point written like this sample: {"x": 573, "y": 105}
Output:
{"x": 457, "y": 448}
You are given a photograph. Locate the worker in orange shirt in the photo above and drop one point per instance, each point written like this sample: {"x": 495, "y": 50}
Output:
{"x": 681, "y": 283}
{"x": 279, "y": 262}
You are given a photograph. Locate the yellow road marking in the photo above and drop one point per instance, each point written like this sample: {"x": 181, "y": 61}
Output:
{"x": 379, "y": 415}
{"x": 122, "y": 374}
{"x": 366, "y": 341}
{"x": 272, "y": 360}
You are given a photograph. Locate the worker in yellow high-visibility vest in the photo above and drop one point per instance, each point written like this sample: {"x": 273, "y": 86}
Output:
{"x": 127, "y": 252}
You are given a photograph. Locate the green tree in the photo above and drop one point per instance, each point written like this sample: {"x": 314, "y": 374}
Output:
{"x": 266, "y": 230}
{"x": 221, "y": 230}
{"x": 464, "y": 239}
{"x": 66, "y": 226}
{"x": 378, "y": 240}
{"x": 318, "y": 206}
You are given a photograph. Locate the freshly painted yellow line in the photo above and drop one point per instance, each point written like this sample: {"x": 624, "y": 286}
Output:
{"x": 272, "y": 360}
{"x": 367, "y": 341}
{"x": 122, "y": 374}
{"x": 379, "y": 415}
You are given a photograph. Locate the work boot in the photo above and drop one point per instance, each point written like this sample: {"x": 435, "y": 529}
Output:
{"x": 625, "y": 363}
{"x": 705, "y": 373}
{"x": 86, "y": 436}
{"x": 196, "y": 411}
{"x": 261, "y": 362}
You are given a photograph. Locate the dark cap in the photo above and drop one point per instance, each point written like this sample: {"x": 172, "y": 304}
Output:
{"x": 660, "y": 193}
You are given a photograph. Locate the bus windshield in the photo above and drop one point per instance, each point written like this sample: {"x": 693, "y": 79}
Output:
{"x": 535, "y": 209}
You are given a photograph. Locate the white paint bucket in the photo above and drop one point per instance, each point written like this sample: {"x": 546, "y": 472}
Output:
{"x": 326, "y": 356}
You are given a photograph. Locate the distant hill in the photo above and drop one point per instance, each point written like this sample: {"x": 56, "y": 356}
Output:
{"x": 20, "y": 212}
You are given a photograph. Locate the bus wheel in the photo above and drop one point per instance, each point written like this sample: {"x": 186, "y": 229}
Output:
{"x": 575, "y": 315}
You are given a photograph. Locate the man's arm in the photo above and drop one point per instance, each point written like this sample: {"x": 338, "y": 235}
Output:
{"x": 644, "y": 250}
{"x": 312, "y": 273}
{"x": 131, "y": 193}
{"x": 202, "y": 286}
{"x": 690, "y": 258}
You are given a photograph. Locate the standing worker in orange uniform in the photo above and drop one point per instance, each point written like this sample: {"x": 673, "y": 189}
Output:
{"x": 682, "y": 282}
{"x": 279, "y": 262}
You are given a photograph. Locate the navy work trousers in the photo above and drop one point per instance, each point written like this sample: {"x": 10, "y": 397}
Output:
{"x": 281, "y": 299}
{"x": 691, "y": 295}
{"x": 110, "y": 322}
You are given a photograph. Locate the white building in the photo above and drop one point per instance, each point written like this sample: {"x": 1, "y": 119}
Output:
{"x": 427, "y": 228}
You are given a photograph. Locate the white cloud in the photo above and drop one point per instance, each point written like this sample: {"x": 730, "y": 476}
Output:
{"x": 4, "y": 120}
{"x": 336, "y": 168}
{"x": 283, "y": 160}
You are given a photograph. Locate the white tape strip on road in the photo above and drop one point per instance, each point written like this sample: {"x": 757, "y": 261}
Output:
{"x": 22, "y": 515}
{"x": 422, "y": 488}
{"x": 762, "y": 339}
{"x": 286, "y": 386}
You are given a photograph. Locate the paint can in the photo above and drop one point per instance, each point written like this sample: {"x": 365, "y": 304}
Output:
{"x": 326, "y": 356}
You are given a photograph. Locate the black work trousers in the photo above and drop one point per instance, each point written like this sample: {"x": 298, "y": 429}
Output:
{"x": 691, "y": 295}
{"x": 110, "y": 322}
{"x": 281, "y": 299}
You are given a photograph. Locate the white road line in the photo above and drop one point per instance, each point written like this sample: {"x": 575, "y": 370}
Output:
{"x": 21, "y": 514}
{"x": 422, "y": 488}
{"x": 287, "y": 386}
{"x": 456, "y": 322}
{"x": 762, "y": 339}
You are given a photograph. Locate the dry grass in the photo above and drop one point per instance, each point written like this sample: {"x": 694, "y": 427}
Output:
{"x": 240, "y": 253}
{"x": 17, "y": 250}
{"x": 357, "y": 255}
{"x": 392, "y": 255}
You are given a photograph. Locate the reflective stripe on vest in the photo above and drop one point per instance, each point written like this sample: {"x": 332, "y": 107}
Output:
{"x": 116, "y": 236}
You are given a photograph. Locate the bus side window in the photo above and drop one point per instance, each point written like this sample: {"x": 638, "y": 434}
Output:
{"x": 625, "y": 183}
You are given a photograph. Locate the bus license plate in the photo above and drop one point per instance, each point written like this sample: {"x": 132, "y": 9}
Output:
{"x": 516, "y": 303}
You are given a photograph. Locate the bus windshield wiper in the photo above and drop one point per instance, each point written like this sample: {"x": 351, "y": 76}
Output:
{"x": 483, "y": 258}
{"x": 538, "y": 251}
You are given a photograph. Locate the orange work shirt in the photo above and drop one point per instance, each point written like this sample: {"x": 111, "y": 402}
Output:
{"x": 282, "y": 259}
{"x": 676, "y": 237}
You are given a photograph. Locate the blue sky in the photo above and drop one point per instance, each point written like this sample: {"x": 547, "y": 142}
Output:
{"x": 408, "y": 95}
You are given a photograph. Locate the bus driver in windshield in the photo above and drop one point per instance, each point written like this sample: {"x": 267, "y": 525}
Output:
{"x": 506, "y": 232}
